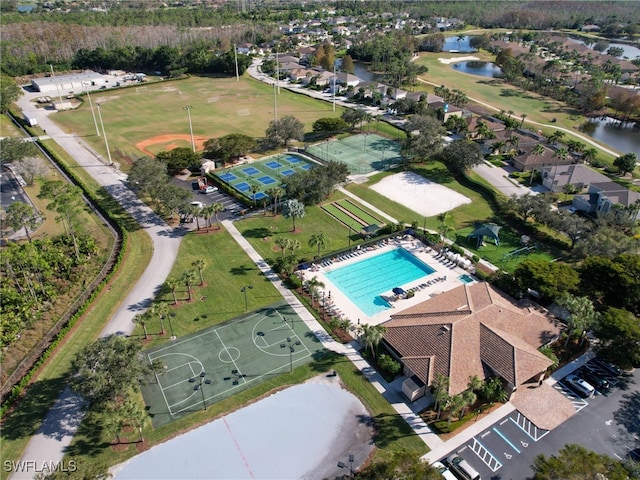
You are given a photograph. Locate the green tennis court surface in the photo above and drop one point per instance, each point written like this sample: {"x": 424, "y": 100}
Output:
{"x": 364, "y": 153}
{"x": 215, "y": 363}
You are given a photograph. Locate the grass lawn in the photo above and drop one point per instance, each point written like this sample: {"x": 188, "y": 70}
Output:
{"x": 262, "y": 231}
{"x": 503, "y": 96}
{"x": 227, "y": 269}
{"x": 219, "y": 107}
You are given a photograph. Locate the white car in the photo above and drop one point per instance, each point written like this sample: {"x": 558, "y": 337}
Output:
{"x": 584, "y": 388}
{"x": 197, "y": 204}
{"x": 209, "y": 189}
{"x": 444, "y": 471}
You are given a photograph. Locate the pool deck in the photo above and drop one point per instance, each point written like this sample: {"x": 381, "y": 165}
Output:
{"x": 442, "y": 280}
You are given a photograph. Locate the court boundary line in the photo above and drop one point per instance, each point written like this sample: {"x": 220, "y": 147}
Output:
{"x": 250, "y": 318}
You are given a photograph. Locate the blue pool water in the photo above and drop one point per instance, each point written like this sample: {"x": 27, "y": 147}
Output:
{"x": 363, "y": 281}
{"x": 465, "y": 279}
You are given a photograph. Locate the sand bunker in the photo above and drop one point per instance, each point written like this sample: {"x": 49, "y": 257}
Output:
{"x": 447, "y": 61}
{"x": 419, "y": 194}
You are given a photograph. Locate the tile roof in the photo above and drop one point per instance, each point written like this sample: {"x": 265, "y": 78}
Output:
{"x": 458, "y": 333}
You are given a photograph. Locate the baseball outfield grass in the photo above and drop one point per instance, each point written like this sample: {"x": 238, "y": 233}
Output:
{"x": 219, "y": 106}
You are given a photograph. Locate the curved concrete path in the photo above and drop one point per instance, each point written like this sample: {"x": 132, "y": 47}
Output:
{"x": 59, "y": 426}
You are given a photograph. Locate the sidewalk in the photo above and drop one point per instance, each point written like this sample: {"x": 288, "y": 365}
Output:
{"x": 381, "y": 385}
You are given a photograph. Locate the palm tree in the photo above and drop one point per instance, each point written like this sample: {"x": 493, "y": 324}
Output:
{"x": 321, "y": 240}
{"x": 443, "y": 227}
{"x": 499, "y": 146}
{"x": 313, "y": 285}
{"x": 172, "y": 284}
{"x": 590, "y": 154}
{"x": 141, "y": 319}
{"x": 372, "y": 336}
{"x": 469, "y": 398}
{"x": 254, "y": 189}
{"x": 217, "y": 207}
{"x": 457, "y": 405}
{"x": 207, "y": 212}
{"x": 278, "y": 192}
{"x": 523, "y": 116}
{"x": 188, "y": 278}
{"x": 555, "y": 137}
{"x": 460, "y": 37}
{"x": 475, "y": 384}
{"x": 283, "y": 243}
{"x": 196, "y": 211}
{"x": 440, "y": 388}
{"x": 161, "y": 310}
{"x": 199, "y": 265}
{"x": 538, "y": 149}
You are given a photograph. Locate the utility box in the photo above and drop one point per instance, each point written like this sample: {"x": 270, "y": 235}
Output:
{"x": 31, "y": 121}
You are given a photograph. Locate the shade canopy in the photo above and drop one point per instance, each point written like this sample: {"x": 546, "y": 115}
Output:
{"x": 398, "y": 291}
{"x": 482, "y": 230}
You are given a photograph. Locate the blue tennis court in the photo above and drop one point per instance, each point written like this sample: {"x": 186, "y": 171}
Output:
{"x": 243, "y": 186}
{"x": 274, "y": 165}
{"x": 266, "y": 180}
{"x": 251, "y": 171}
{"x": 288, "y": 172}
{"x": 292, "y": 159}
{"x": 228, "y": 177}
{"x": 260, "y": 195}
{"x": 306, "y": 166}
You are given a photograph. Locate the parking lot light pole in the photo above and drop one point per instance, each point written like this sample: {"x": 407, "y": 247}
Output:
{"x": 244, "y": 290}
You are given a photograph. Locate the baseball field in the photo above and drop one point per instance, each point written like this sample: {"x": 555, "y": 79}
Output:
{"x": 147, "y": 118}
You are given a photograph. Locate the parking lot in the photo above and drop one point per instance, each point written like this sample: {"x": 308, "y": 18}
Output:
{"x": 232, "y": 207}
{"x": 606, "y": 423}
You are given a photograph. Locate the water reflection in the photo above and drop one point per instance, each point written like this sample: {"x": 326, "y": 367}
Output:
{"x": 623, "y": 136}
{"x": 475, "y": 67}
{"x": 452, "y": 44}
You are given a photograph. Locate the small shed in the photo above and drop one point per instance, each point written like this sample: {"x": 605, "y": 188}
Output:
{"x": 370, "y": 230}
{"x": 482, "y": 230}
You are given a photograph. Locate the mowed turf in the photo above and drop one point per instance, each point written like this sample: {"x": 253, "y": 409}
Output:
{"x": 219, "y": 106}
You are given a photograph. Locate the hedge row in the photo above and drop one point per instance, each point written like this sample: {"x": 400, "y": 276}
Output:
{"x": 119, "y": 250}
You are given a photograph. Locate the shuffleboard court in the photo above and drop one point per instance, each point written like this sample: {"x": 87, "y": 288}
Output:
{"x": 215, "y": 363}
{"x": 251, "y": 171}
{"x": 287, "y": 172}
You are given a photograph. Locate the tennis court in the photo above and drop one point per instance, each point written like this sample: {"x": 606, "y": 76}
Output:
{"x": 215, "y": 363}
{"x": 263, "y": 175}
{"x": 363, "y": 153}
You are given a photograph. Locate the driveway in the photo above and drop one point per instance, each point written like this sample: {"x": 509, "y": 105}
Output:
{"x": 498, "y": 177}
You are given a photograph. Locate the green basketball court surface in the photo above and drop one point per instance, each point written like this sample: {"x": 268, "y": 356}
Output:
{"x": 215, "y": 363}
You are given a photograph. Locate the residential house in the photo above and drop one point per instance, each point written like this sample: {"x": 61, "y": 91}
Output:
{"x": 601, "y": 199}
{"x": 445, "y": 110}
{"x": 472, "y": 330}
{"x": 580, "y": 176}
{"x": 529, "y": 160}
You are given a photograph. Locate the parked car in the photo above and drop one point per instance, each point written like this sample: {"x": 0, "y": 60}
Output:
{"x": 609, "y": 367}
{"x": 443, "y": 471}
{"x": 461, "y": 468}
{"x": 209, "y": 189}
{"x": 580, "y": 385}
{"x": 596, "y": 380}
{"x": 197, "y": 204}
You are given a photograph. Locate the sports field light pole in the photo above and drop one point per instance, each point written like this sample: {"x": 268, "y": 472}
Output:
{"x": 93, "y": 114}
{"x": 104, "y": 134}
{"x": 244, "y": 290}
{"x": 292, "y": 350}
{"x": 172, "y": 314}
{"x": 193, "y": 143}
{"x": 198, "y": 386}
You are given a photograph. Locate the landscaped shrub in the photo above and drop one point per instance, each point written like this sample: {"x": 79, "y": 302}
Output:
{"x": 389, "y": 364}
{"x": 294, "y": 282}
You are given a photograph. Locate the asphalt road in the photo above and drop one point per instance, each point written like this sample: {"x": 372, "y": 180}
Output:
{"x": 62, "y": 421}
{"x": 608, "y": 424}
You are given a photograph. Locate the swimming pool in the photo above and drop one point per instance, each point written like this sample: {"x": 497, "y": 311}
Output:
{"x": 363, "y": 281}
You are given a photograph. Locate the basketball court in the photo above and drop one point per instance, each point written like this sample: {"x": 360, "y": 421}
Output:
{"x": 215, "y": 363}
